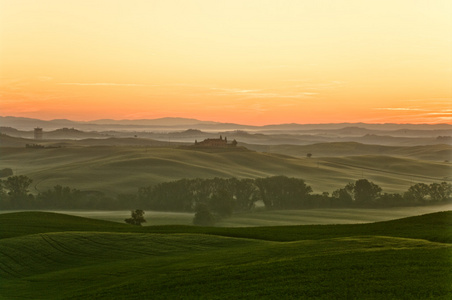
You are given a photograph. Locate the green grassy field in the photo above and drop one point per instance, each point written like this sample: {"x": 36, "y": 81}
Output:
{"x": 264, "y": 217}
{"x": 124, "y": 169}
{"x": 55, "y": 256}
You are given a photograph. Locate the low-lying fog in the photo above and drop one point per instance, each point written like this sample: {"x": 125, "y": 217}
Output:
{"x": 262, "y": 217}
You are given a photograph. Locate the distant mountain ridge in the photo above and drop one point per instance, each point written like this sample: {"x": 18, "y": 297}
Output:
{"x": 174, "y": 124}
{"x": 169, "y": 121}
{"x": 29, "y": 123}
{"x": 188, "y": 130}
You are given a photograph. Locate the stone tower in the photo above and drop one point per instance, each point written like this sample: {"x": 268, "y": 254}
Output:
{"x": 38, "y": 133}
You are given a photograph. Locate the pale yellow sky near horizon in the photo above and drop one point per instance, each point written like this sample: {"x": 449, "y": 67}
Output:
{"x": 250, "y": 62}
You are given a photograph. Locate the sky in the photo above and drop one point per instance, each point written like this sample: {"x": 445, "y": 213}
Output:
{"x": 252, "y": 62}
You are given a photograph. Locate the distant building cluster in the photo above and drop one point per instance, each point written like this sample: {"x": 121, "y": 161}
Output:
{"x": 216, "y": 143}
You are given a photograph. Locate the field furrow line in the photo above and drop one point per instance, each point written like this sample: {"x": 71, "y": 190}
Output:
{"x": 66, "y": 248}
{"x": 58, "y": 246}
{"x": 11, "y": 272}
{"x": 112, "y": 248}
{"x": 11, "y": 258}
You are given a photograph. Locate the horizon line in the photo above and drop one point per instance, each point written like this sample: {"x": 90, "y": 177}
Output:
{"x": 217, "y": 122}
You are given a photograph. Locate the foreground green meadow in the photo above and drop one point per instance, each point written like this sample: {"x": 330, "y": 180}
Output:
{"x": 56, "y": 256}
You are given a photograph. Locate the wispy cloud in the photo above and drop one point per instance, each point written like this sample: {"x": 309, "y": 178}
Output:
{"x": 417, "y": 114}
{"x": 441, "y": 113}
{"x": 400, "y": 108}
{"x": 432, "y": 101}
{"x": 307, "y": 83}
{"x": 194, "y": 90}
{"x": 429, "y": 99}
{"x": 232, "y": 90}
{"x": 103, "y": 84}
{"x": 247, "y": 94}
{"x": 429, "y": 109}
{"x": 445, "y": 118}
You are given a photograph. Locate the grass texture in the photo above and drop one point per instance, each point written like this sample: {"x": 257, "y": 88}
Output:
{"x": 55, "y": 256}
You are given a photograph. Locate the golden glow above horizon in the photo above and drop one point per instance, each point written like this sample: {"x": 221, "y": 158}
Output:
{"x": 251, "y": 62}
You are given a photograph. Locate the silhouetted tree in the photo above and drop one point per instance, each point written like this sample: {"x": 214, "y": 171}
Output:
{"x": 203, "y": 216}
{"x": 344, "y": 196}
{"x": 417, "y": 193}
{"x": 440, "y": 191}
{"x": 245, "y": 193}
{"x": 361, "y": 192}
{"x": 390, "y": 200}
{"x": 17, "y": 185}
{"x": 127, "y": 201}
{"x": 366, "y": 191}
{"x": 222, "y": 203}
{"x": 4, "y": 199}
{"x": 145, "y": 197}
{"x": 61, "y": 197}
{"x": 175, "y": 196}
{"x": 281, "y": 192}
{"x": 137, "y": 217}
{"x": 17, "y": 190}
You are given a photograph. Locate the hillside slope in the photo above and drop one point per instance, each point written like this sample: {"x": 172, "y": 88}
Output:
{"x": 438, "y": 152}
{"x": 114, "y": 169}
{"x": 407, "y": 258}
{"x": 433, "y": 227}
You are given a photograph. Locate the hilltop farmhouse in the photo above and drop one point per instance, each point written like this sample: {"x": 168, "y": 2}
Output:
{"x": 216, "y": 143}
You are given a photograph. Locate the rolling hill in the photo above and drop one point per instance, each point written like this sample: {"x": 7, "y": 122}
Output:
{"x": 438, "y": 152}
{"x": 122, "y": 165}
{"x": 405, "y": 259}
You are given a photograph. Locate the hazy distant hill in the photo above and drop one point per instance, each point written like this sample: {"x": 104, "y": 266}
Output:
{"x": 360, "y": 131}
{"x": 385, "y": 126}
{"x": 71, "y": 133}
{"x": 440, "y": 152}
{"x": 413, "y": 138}
{"x": 61, "y": 133}
{"x": 123, "y": 165}
{"x": 428, "y": 137}
{"x": 16, "y": 133}
{"x": 177, "y": 124}
{"x": 8, "y": 141}
{"x": 29, "y": 124}
{"x": 150, "y": 122}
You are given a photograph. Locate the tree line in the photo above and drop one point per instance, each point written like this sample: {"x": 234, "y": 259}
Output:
{"x": 221, "y": 197}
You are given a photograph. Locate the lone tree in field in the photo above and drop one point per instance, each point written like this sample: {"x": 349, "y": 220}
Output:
{"x": 136, "y": 217}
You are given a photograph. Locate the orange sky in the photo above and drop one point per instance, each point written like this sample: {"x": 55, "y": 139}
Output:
{"x": 242, "y": 61}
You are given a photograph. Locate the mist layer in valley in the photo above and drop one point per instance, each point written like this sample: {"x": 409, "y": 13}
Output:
{"x": 119, "y": 157}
